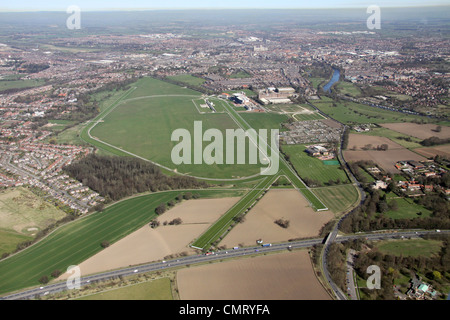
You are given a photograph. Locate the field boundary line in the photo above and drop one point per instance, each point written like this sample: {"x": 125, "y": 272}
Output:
{"x": 266, "y": 182}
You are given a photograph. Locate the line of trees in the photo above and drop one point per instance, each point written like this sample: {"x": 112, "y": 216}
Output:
{"x": 433, "y": 141}
{"x": 118, "y": 177}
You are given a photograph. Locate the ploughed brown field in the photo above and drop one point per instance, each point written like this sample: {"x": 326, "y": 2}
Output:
{"x": 421, "y": 131}
{"x": 431, "y": 152}
{"x": 286, "y": 204}
{"x": 147, "y": 244}
{"x": 282, "y": 276}
{"x": 385, "y": 159}
{"x": 359, "y": 141}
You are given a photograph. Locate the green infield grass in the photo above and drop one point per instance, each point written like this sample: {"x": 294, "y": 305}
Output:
{"x": 143, "y": 126}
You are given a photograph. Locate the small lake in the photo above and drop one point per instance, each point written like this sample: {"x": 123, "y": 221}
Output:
{"x": 334, "y": 79}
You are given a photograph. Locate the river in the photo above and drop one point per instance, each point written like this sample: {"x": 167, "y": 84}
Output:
{"x": 334, "y": 79}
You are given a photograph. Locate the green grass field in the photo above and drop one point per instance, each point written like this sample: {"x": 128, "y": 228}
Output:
{"x": 19, "y": 84}
{"x": 313, "y": 168}
{"x": 410, "y": 247}
{"x": 307, "y": 117}
{"x": 158, "y": 289}
{"x": 350, "y": 112}
{"x": 264, "y": 120}
{"x": 338, "y": 198}
{"x": 23, "y": 214}
{"x": 396, "y": 137}
{"x": 239, "y": 75}
{"x": 188, "y": 79}
{"x": 9, "y": 240}
{"x": 348, "y": 88}
{"x": 75, "y": 242}
{"x": 407, "y": 209}
{"x": 58, "y": 125}
{"x": 248, "y": 92}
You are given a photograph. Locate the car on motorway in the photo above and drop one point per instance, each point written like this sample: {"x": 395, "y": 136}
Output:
{"x": 135, "y": 270}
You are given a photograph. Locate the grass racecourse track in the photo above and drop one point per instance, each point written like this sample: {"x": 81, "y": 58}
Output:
{"x": 170, "y": 107}
{"x": 141, "y": 123}
{"x": 75, "y": 242}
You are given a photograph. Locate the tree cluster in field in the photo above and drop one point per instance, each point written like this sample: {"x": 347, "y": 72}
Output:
{"x": 162, "y": 207}
{"x": 320, "y": 70}
{"x": 369, "y": 146}
{"x": 119, "y": 177}
{"x": 358, "y": 167}
{"x": 174, "y": 222}
{"x": 345, "y": 138}
{"x": 86, "y": 106}
{"x": 33, "y": 67}
{"x": 371, "y": 216}
{"x": 282, "y": 223}
{"x": 433, "y": 141}
{"x": 105, "y": 244}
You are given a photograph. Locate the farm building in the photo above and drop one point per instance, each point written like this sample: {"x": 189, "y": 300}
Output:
{"x": 317, "y": 150}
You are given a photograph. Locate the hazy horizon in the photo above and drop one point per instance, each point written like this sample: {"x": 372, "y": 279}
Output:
{"x": 141, "y": 5}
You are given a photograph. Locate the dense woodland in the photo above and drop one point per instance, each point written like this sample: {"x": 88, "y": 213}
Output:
{"x": 119, "y": 177}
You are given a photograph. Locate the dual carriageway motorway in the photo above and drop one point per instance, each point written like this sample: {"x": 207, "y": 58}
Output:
{"x": 221, "y": 255}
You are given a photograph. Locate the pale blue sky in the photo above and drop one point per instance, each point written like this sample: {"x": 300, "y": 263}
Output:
{"x": 62, "y": 5}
